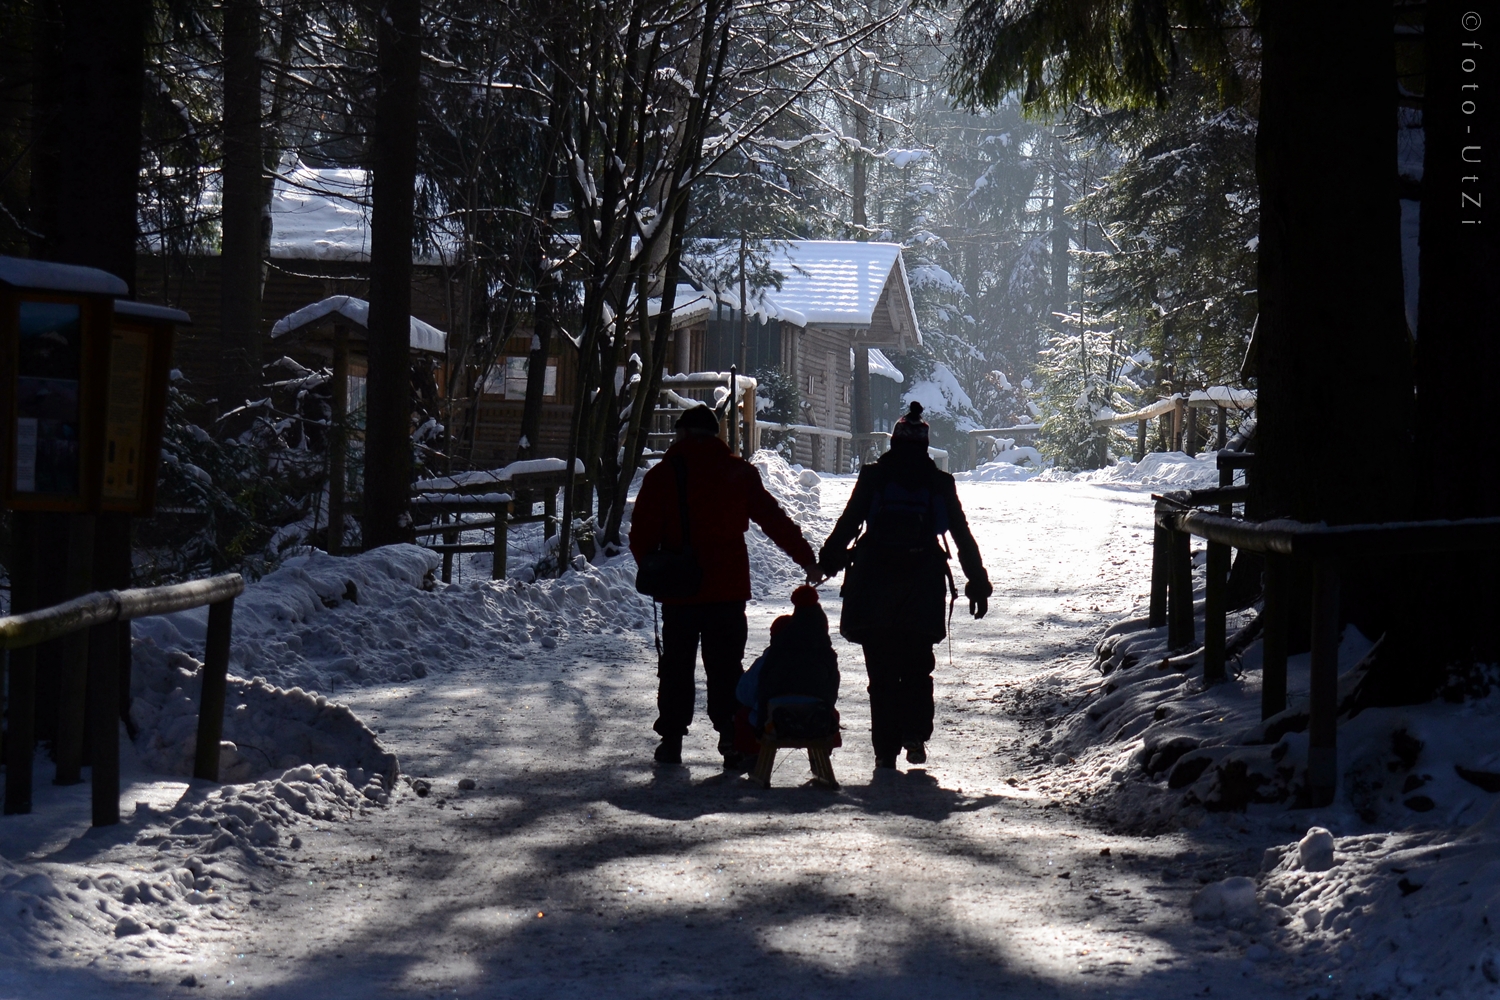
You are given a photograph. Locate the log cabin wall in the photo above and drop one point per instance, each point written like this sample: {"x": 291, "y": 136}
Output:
{"x": 192, "y": 284}
{"x": 820, "y": 363}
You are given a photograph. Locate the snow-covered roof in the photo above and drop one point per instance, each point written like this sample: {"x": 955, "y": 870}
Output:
{"x": 146, "y": 310}
{"x": 322, "y": 213}
{"x": 689, "y": 306}
{"x": 837, "y": 283}
{"x": 881, "y": 365}
{"x": 831, "y": 281}
{"x": 20, "y": 272}
{"x": 424, "y": 336}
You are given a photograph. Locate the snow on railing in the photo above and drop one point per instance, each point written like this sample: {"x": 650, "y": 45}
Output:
{"x": 484, "y": 477}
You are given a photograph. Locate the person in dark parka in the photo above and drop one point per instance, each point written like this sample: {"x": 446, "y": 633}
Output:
{"x": 897, "y": 582}
{"x": 724, "y": 495}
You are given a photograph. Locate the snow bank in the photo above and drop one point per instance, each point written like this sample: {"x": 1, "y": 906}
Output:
{"x": 1389, "y": 891}
{"x": 1001, "y": 470}
{"x": 178, "y": 873}
{"x": 1395, "y": 914}
{"x": 1171, "y": 469}
{"x": 772, "y": 572}
{"x": 322, "y": 622}
{"x": 265, "y": 728}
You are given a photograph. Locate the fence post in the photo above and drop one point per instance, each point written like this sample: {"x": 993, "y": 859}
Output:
{"x": 502, "y": 537}
{"x": 1140, "y": 440}
{"x": 211, "y": 699}
{"x": 20, "y": 735}
{"x": 1181, "y": 632}
{"x": 1274, "y": 636}
{"x": 1322, "y": 729}
{"x": 1215, "y": 612}
{"x": 1221, "y": 437}
{"x": 549, "y": 511}
{"x": 103, "y": 720}
{"x": 73, "y": 658}
{"x": 1160, "y": 543}
{"x": 449, "y": 538}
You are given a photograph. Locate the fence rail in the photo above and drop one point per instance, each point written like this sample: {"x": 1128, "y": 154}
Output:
{"x": 96, "y": 612}
{"x": 1288, "y": 547}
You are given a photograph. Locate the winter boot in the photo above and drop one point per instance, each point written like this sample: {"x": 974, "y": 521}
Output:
{"x": 669, "y": 751}
{"x": 734, "y": 761}
{"x": 887, "y": 762}
{"x": 916, "y": 753}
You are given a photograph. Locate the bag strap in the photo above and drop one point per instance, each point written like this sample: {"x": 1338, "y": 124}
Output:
{"x": 680, "y": 466}
{"x": 952, "y": 594}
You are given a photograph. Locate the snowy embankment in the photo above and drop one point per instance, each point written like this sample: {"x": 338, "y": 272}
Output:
{"x": 1394, "y": 900}
{"x": 293, "y": 756}
{"x": 1164, "y": 469}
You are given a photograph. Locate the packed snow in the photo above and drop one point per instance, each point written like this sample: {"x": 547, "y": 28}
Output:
{"x": 446, "y": 789}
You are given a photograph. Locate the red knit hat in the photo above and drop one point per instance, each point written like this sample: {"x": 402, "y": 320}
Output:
{"x": 911, "y": 428}
{"x": 804, "y": 596}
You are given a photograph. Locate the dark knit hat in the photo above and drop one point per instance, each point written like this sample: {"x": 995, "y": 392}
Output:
{"x": 911, "y": 429}
{"x": 698, "y": 418}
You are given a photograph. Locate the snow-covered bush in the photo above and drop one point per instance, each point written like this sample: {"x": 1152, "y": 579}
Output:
{"x": 778, "y": 399}
{"x": 946, "y": 407}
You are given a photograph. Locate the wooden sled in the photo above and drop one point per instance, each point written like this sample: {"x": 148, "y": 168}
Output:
{"x": 817, "y": 755}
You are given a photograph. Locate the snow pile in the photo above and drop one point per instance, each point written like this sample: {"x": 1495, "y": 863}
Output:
{"x": 1393, "y": 914}
{"x": 1001, "y": 470}
{"x": 322, "y": 622}
{"x": 796, "y": 489}
{"x": 265, "y": 727}
{"x": 1387, "y": 894}
{"x": 1171, "y": 469}
{"x": 206, "y": 850}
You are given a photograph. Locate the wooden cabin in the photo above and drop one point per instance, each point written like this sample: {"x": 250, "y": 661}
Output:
{"x": 839, "y": 303}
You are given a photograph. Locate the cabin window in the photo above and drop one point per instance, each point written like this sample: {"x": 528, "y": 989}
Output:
{"x": 508, "y": 378}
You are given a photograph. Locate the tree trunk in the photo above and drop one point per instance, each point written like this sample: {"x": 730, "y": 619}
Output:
{"x": 1059, "y": 244}
{"x": 242, "y": 205}
{"x": 388, "y": 449}
{"x": 89, "y": 98}
{"x": 1457, "y": 350}
{"x": 1331, "y": 312}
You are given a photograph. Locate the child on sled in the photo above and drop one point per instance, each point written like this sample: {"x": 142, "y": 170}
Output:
{"x": 791, "y": 689}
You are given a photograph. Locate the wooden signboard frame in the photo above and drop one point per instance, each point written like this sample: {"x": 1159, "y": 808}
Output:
{"x": 139, "y": 368}
{"x": 19, "y": 431}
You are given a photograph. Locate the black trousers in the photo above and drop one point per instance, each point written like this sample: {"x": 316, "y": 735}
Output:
{"x": 901, "y": 708}
{"x": 721, "y": 626}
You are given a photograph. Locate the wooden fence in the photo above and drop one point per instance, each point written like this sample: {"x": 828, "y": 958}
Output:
{"x": 97, "y": 612}
{"x": 1287, "y": 546}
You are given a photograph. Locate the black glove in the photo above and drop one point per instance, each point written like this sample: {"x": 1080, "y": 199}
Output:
{"x": 832, "y": 561}
{"x": 978, "y": 592}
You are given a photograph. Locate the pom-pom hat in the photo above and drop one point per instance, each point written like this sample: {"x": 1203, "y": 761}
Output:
{"x": 911, "y": 429}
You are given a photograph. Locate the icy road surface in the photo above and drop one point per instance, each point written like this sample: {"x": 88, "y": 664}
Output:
{"x": 576, "y": 868}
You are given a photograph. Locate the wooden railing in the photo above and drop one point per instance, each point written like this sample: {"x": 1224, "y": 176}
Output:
{"x": 1287, "y": 547}
{"x": 20, "y": 633}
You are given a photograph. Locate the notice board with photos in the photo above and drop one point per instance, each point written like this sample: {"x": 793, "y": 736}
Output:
{"x": 54, "y": 348}
{"x": 83, "y": 383}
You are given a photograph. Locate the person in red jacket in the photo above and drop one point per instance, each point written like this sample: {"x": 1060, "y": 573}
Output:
{"x": 724, "y": 494}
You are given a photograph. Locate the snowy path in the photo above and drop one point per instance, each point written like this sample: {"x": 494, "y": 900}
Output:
{"x": 577, "y": 869}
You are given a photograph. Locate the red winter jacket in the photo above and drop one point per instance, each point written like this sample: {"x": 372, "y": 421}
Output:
{"x": 724, "y": 496}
